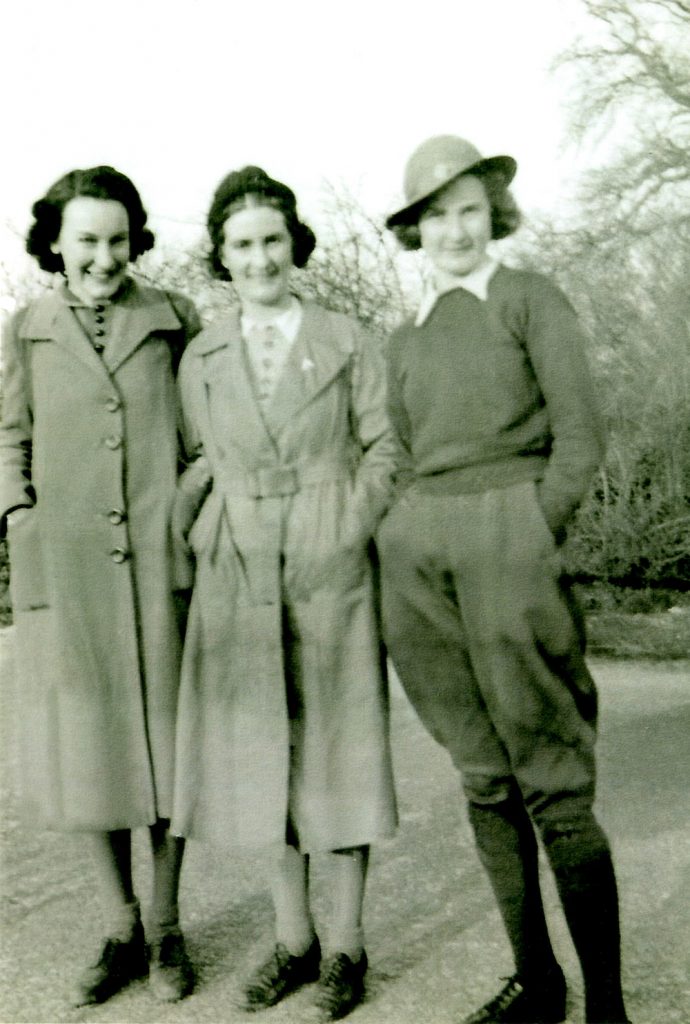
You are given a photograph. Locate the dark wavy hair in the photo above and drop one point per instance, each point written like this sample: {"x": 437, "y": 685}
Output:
{"x": 101, "y": 182}
{"x": 505, "y": 215}
{"x": 230, "y": 196}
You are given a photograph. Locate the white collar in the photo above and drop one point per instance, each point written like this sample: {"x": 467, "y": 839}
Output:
{"x": 287, "y": 322}
{"x": 476, "y": 282}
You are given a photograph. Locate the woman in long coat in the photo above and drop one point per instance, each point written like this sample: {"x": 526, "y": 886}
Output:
{"x": 89, "y": 456}
{"x": 283, "y": 729}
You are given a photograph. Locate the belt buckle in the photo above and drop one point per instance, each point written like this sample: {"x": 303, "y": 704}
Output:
{"x": 274, "y": 482}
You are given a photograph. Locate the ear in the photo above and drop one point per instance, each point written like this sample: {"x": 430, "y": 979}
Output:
{"x": 55, "y": 247}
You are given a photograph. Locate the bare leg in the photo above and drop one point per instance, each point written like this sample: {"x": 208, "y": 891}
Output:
{"x": 341, "y": 982}
{"x": 123, "y": 958}
{"x": 168, "y": 851}
{"x": 290, "y": 891}
{"x": 111, "y": 853}
{"x": 347, "y": 874}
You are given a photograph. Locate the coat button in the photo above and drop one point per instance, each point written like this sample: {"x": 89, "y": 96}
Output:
{"x": 113, "y": 404}
{"x": 119, "y": 555}
{"x": 98, "y": 346}
{"x": 113, "y": 442}
{"x": 116, "y": 516}
{"x": 99, "y": 318}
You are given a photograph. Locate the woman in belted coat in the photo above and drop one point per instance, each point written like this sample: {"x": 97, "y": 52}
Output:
{"x": 283, "y": 730}
{"x": 88, "y": 460}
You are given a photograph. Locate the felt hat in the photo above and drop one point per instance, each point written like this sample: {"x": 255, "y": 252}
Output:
{"x": 438, "y": 161}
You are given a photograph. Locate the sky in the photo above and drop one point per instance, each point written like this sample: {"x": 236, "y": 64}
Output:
{"x": 175, "y": 94}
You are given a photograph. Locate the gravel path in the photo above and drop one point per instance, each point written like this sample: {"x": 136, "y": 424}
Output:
{"x": 433, "y": 936}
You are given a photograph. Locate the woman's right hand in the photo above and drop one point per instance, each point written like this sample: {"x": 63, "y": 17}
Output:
{"x": 192, "y": 489}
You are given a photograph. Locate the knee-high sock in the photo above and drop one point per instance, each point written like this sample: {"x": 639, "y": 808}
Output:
{"x": 508, "y": 850}
{"x": 290, "y": 891}
{"x": 347, "y": 875}
{"x": 581, "y": 860}
{"x": 111, "y": 854}
{"x": 168, "y": 851}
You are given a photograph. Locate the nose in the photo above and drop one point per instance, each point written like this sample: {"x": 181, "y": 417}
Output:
{"x": 260, "y": 258}
{"x": 456, "y": 230}
{"x": 104, "y": 257}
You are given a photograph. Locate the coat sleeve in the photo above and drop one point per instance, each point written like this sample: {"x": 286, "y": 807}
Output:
{"x": 375, "y": 439}
{"x": 557, "y": 352}
{"x": 196, "y": 480}
{"x": 188, "y": 316}
{"x": 16, "y": 426}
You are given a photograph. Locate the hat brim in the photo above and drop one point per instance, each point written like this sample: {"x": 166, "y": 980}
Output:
{"x": 505, "y": 165}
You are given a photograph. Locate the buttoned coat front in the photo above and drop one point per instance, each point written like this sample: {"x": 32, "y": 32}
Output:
{"x": 91, "y": 443}
{"x": 283, "y": 701}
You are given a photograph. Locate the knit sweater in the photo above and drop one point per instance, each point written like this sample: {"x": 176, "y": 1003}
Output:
{"x": 485, "y": 394}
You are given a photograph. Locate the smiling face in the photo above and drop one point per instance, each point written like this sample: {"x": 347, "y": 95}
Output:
{"x": 94, "y": 246}
{"x": 257, "y": 252}
{"x": 455, "y": 228}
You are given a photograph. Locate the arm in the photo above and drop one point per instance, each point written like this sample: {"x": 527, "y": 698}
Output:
{"x": 195, "y": 482}
{"x": 374, "y": 435}
{"x": 557, "y": 351}
{"x": 400, "y": 421}
{"x": 16, "y": 428}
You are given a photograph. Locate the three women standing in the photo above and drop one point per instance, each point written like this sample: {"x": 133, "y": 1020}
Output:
{"x": 88, "y": 462}
{"x": 283, "y": 721}
{"x": 493, "y": 405}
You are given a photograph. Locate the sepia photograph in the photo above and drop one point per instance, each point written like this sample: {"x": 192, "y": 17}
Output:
{"x": 345, "y": 512}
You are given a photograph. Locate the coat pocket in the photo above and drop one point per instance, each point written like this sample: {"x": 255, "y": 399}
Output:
{"x": 28, "y": 585}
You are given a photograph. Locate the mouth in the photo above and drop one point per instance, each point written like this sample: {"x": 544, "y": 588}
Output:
{"x": 104, "y": 276}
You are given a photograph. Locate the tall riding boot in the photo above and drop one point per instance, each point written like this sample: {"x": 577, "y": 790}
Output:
{"x": 581, "y": 861}
{"x": 508, "y": 850}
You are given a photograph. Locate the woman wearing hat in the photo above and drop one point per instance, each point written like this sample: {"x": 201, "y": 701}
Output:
{"x": 493, "y": 405}
{"x": 283, "y": 727}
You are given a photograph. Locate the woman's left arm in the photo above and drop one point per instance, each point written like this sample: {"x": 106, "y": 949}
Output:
{"x": 556, "y": 347}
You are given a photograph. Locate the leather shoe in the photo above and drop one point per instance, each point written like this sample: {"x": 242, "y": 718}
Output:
{"x": 341, "y": 985}
{"x": 171, "y": 975}
{"x": 539, "y": 1001}
{"x": 120, "y": 963}
{"x": 280, "y": 975}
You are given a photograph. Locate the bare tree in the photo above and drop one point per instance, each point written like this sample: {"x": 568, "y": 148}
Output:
{"x": 631, "y": 95}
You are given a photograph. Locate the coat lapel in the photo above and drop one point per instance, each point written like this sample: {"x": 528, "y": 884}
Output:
{"x": 314, "y": 360}
{"x": 51, "y": 319}
{"x": 233, "y": 407}
{"x": 141, "y": 312}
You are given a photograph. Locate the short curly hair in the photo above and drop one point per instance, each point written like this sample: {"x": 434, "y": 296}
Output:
{"x": 231, "y": 195}
{"x": 102, "y": 182}
{"x": 505, "y": 214}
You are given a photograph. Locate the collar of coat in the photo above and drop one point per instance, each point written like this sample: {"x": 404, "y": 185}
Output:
{"x": 138, "y": 312}
{"x": 324, "y": 345}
